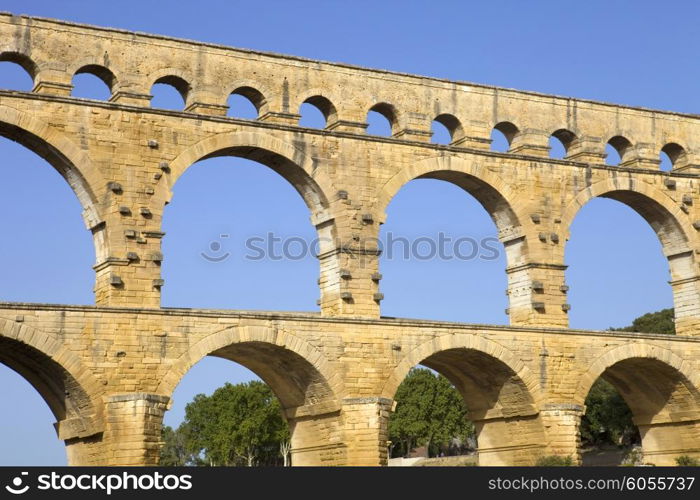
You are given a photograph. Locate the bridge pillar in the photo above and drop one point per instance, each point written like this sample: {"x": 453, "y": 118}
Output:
{"x": 475, "y": 135}
{"x": 349, "y": 260}
{"x": 665, "y": 439}
{"x": 366, "y": 430}
{"x": 562, "y": 422}
{"x": 537, "y": 294}
{"x": 416, "y": 127}
{"x": 317, "y": 437}
{"x": 82, "y": 436}
{"x": 508, "y": 441}
{"x": 587, "y": 149}
{"x": 53, "y": 80}
{"x": 206, "y": 101}
{"x": 642, "y": 155}
{"x": 530, "y": 142}
{"x": 129, "y": 247}
{"x": 133, "y": 428}
{"x": 686, "y": 303}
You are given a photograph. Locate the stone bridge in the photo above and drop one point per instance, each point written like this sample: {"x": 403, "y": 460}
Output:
{"x": 108, "y": 371}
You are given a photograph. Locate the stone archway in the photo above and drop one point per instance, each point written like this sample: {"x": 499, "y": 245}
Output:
{"x": 66, "y": 385}
{"x": 662, "y": 395}
{"x": 498, "y": 389}
{"x": 306, "y": 384}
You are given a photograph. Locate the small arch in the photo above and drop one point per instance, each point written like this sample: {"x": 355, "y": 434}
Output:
{"x": 559, "y": 143}
{"x": 502, "y": 136}
{"x": 617, "y": 150}
{"x": 382, "y": 119}
{"x": 22, "y": 60}
{"x": 318, "y": 104}
{"x": 101, "y": 72}
{"x": 93, "y": 82}
{"x": 246, "y": 102}
{"x": 675, "y": 156}
{"x": 177, "y": 83}
{"x": 451, "y": 125}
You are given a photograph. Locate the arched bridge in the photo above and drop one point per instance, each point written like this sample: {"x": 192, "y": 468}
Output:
{"x": 108, "y": 371}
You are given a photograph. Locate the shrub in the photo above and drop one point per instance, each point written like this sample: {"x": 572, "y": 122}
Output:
{"x": 634, "y": 458}
{"x": 686, "y": 461}
{"x": 554, "y": 461}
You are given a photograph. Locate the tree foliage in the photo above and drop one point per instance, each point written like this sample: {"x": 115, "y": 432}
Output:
{"x": 608, "y": 419}
{"x": 656, "y": 322}
{"x": 236, "y": 425}
{"x": 429, "y": 412}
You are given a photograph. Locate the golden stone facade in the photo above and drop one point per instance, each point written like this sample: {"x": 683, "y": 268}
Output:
{"x": 108, "y": 371}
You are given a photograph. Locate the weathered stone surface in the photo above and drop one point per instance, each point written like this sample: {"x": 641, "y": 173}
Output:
{"x": 108, "y": 371}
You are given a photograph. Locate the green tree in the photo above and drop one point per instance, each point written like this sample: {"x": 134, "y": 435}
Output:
{"x": 656, "y": 322}
{"x": 608, "y": 419}
{"x": 176, "y": 449}
{"x": 236, "y": 425}
{"x": 429, "y": 411}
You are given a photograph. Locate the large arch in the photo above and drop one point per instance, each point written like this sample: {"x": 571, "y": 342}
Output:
{"x": 305, "y": 382}
{"x": 672, "y": 227}
{"x": 488, "y": 188}
{"x": 62, "y": 380}
{"x": 298, "y": 168}
{"x": 499, "y": 391}
{"x": 662, "y": 213}
{"x": 661, "y": 390}
{"x": 73, "y": 164}
{"x": 496, "y": 197}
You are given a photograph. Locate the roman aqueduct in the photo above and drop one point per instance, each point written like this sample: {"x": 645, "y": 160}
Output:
{"x": 108, "y": 371}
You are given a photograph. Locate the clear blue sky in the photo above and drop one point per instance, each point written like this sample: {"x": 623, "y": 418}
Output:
{"x": 636, "y": 53}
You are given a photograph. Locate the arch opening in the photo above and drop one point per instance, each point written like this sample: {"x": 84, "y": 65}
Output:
{"x": 266, "y": 261}
{"x": 458, "y": 262}
{"x": 610, "y": 291}
{"x": 559, "y": 143}
{"x": 502, "y": 421}
{"x": 662, "y": 408}
{"x": 672, "y": 155}
{"x": 317, "y": 112}
{"x": 608, "y": 432}
{"x": 382, "y": 120}
{"x": 247, "y": 103}
{"x": 63, "y": 394}
{"x": 17, "y": 72}
{"x": 34, "y": 228}
{"x": 266, "y": 413}
{"x": 617, "y": 150}
{"x": 446, "y": 129}
{"x": 93, "y": 82}
{"x": 502, "y": 136}
{"x": 170, "y": 92}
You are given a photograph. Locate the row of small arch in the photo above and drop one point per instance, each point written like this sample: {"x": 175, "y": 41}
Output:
{"x": 382, "y": 118}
